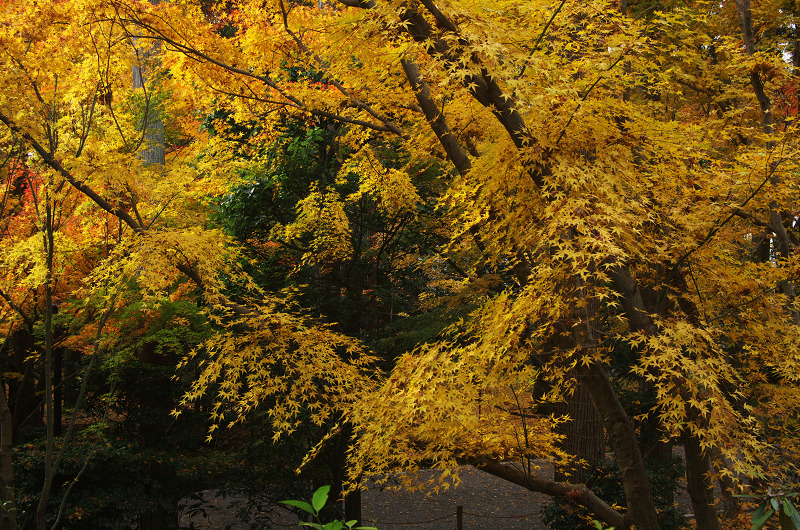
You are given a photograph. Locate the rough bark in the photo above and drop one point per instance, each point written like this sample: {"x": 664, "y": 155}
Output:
{"x": 583, "y": 436}
{"x": 152, "y": 125}
{"x": 622, "y": 434}
{"x": 698, "y": 483}
{"x": 584, "y": 430}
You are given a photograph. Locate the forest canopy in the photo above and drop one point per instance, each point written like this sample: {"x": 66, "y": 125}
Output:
{"x": 439, "y": 233}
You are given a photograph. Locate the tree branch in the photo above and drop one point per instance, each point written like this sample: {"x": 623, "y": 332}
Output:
{"x": 390, "y": 126}
{"x": 457, "y": 155}
{"x": 54, "y": 164}
{"x": 577, "y": 493}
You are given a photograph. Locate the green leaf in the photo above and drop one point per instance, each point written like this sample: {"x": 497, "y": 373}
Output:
{"x": 315, "y": 526}
{"x": 333, "y": 525}
{"x": 320, "y": 498}
{"x": 775, "y": 504}
{"x": 760, "y": 510}
{"x": 300, "y": 504}
{"x": 785, "y": 521}
{"x": 791, "y": 511}
{"x": 760, "y": 523}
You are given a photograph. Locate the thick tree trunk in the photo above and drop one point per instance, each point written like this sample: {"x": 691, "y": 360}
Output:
{"x": 152, "y": 125}
{"x": 352, "y": 506}
{"x": 698, "y": 483}
{"x": 621, "y": 432}
{"x": 583, "y": 436}
{"x": 22, "y": 397}
{"x": 156, "y": 516}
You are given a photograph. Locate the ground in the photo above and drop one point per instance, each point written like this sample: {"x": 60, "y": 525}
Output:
{"x": 488, "y": 503}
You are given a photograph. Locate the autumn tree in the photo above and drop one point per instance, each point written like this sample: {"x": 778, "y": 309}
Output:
{"x": 589, "y": 168}
{"x": 79, "y": 123}
{"x": 619, "y": 169}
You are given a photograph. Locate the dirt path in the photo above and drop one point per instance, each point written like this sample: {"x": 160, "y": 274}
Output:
{"x": 488, "y": 503}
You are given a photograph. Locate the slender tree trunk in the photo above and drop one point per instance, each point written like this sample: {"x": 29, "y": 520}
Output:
{"x": 58, "y": 369}
{"x": 8, "y": 510}
{"x": 152, "y": 154}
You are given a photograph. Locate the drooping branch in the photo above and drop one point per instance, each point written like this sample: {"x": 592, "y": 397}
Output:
{"x": 154, "y": 33}
{"x": 616, "y": 421}
{"x": 51, "y": 161}
{"x": 577, "y": 493}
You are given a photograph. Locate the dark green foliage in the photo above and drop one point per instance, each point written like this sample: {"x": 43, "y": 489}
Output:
{"x": 364, "y": 291}
{"x": 262, "y": 472}
{"x": 301, "y": 156}
{"x": 606, "y": 483}
{"x": 120, "y": 482}
{"x": 140, "y": 459}
{"x": 409, "y": 332}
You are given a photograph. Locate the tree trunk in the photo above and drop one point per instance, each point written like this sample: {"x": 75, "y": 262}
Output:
{"x": 152, "y": 125}
{"x": 49, "y": 468}
{"x": 8, "y": 510}
{"x": 58, "y": 369}
{"x": 352, "y": 506}
{"x": 22, "y": 395}
{"x": 583, "y": 436}
{"x": 698, "y": 483}
{"x": 621, "y": 432}
{"x": 158, "y": 517}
